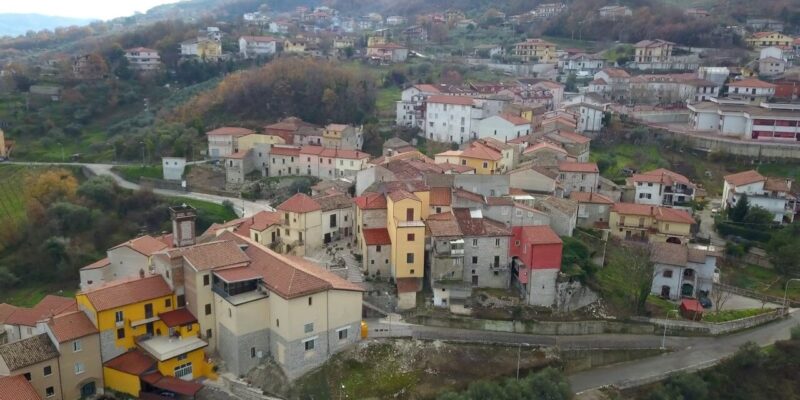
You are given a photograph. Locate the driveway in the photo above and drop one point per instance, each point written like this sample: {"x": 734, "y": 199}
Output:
{"x": 707, "y": 226}
{"x": 738, "y": 302}
{"x": 242, "y": 207}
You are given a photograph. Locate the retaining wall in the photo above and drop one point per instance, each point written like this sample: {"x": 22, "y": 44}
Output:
{"x": 722, "y": 328}
{"x": 593, "y": 327}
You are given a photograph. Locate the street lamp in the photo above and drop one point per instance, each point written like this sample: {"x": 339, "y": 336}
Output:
{"x": 786, "y": 292}
{"x": 142, "y": 143}
{"x": 664, "y": 336}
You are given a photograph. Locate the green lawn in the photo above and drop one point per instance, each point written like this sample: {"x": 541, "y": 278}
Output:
{"x": 660, "y": 307}
{"x": 730, "y": 315}
{"x": 761, "y": 280}
{"x": 133, "y": 173}
{"x": 385, "y": 102}
{"x": 30, "y": 294}
{"x": 207, "y": 210}
{"x": 787, "y": 170}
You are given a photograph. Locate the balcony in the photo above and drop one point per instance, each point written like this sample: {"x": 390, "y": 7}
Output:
{"x": 144, "y": 321}
{"x": 165, "y": 347}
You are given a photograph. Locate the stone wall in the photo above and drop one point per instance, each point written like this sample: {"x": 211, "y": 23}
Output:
{"x": 592, "y": 327}
{"x": 108, "y": 345}
{"x": 705, "y": 328}
{"x": 737, "y": 147}
{"x": 235, "y": 350}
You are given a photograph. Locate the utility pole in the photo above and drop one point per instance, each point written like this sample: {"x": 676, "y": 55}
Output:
{"x": 664, "y": 336}
{"x": 519, "y": 355}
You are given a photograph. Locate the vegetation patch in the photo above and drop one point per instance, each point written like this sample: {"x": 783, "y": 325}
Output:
{"x": 732, "y": 315}
{"x": 134, "y": 173}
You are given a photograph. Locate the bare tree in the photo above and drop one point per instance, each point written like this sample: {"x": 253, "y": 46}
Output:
{"x": 634, "y": 260}
{"x": 719, "y": 295}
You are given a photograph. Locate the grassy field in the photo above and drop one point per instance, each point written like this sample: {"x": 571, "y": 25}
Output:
{"x": 730, "y": 315}
{"x": 385, "y": 102}
{"x": 761, "y": 280}
{"x": 12, "y": 203}
{"x": 207, "y": 211}
{"x": 30, "y": 294}
{"x": 133, "y": 173}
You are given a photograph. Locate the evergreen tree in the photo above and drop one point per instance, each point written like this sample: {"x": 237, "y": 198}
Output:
{"x": 739, "y": 211}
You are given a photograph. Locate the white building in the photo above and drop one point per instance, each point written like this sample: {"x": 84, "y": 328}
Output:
{"x": 224, "y": 141}
{"x": 772, "y": 194}
{"x": 504, "y": 127}
{"x": 449, "y": 118}
{"x": 410, "y": 108}
{"x": 254, "y": 46}
{"x": 681, "y": 271}
{"x": 173, "y": 168}
{"x": 738, "y": 119}
{"x": 590, "y": 118}
{"x": 751, "y": 89}
{"x": 143, "y": 59}
{"x": 771, "y": 66}
{"x": 662, "y": 187}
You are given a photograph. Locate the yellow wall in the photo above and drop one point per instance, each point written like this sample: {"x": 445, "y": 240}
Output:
{"x": 396, "y": 213}
{"x": 249, "y": 141}
{"x": 674, "y": 228}
{"x": 121, "y": 381}
{"x": 196, "y": 357}
{"x": 478, "y": 165}
{"x": 209, "y": 49}
{"x": 425, "y": 198}
{"x": 105, "y": 320}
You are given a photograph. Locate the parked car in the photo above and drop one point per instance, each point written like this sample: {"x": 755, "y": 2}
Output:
{"x": 705, "y": 302}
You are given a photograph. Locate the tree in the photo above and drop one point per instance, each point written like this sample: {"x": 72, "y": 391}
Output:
{"x": 784, "y": 250}
{"x": 633, "y": 262}
{"x": 51, "y": 186}
{"x": 549, "y": 384}
{"x": 757, "y": 215}
{"x": 719, "y": 297}
{"x": 739, "y": 211}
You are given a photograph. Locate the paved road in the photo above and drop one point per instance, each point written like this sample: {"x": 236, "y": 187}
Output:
{"x": 242, "y": 207}
{"x": 686, "y": 352}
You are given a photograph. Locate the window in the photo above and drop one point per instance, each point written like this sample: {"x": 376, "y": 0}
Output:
{"x": 121, "y": 333}
{"x": 252, "y": 352}
{"x": 333, "y": 221}
{"x": 410, "y": 237}
{"x": 181, "y": 300}
{"x": 118, "y": 316}
{"x": 309, "y": 344}
{"x": 409, "y": 214}
{"x": 308, "y": 328}
{"x": 208, "y": 309}
{"x": 277, "y": 323}
{"x": 474, "y": 259}
{"x": 230, "y": 313}
{"x": 474, "y": 242}
{"x": 48, "y": 370}
{"x": 79, "y": 368}
{"x": 343, "y": 334}
{"x": 208, "y": 333}
{"x": 183, "y": 370}
{"x": 516, "y": 243}
{"x": 409, "y": 258}
{"x": 167, "y": 303}
{"x": 497, "y": 243}
{"x": 411, "y": 271}
{"x": 206, "y": 280}
{"x": 310, "y": 301}
{"x": 76, "y": 346}
{"x": 463, "y": 162}
{"x": 50, "y": 391}
{"x": 27, "y": 376}
{"x": 667, "y": 273}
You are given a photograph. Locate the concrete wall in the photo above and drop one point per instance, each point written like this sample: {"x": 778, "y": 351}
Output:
{"x": 487, "y": 185}
{"x": 540, "y": 327}
{"x": 484, "y": 253}
{"x": 747, "y": 148}
{"x": 704, "y": 328}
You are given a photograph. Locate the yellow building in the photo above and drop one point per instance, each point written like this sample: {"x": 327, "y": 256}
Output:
{"x": 250, "y": 141}
{"x": 650, "y": 223}
{"x": 294, "y": 46}
{"x": 484, "y": 159}
{"x": 767, "y": 39}
{"x": 536, "y": 50}
{"x": 138, "y": 320}
{"x": 407, "y": 233}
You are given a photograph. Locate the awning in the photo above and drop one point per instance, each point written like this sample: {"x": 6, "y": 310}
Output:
{"x": 175, "y": 385}
{"x": 238, "y": 274}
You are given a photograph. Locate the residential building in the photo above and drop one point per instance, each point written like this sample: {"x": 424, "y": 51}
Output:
{"x": 765, "y": 39}
{"x": 395, "y": 145}
{"x": 343, "y": 137}
{"x": 563, "y": 213}
{"x": 594, "y": 209}
{"x": 375, "y": 245}
{"x": 329, "y": 163}
{"x": 404, "y": 211}
{"x": 297, "y": 45}
{"x": 410, "y": 110}
{"x": 338, "y": 216}
{"x": 662, "y": 187}
{"x": 223, "y": 141}
{"x": 21, "y": 322}
{"x": 671, "y": 88}
{"x": 36, "y": 359}
{"x": 642, "y": 222}
{"x": 578, "y": 177}
{"x": 536, "y": 50}
{"x": 173, "y": 168}
{"x": 415, "y": 33}
{"x": 615, "y": 12}
{"x": 257, "y": 46}
{"x": 653, "y": 51}
{"x": 143, "y": 59}
{"x": 283, "y": 161}
{"x": 535, "y": 179}
{"x": 584, "y": 63}
{"x": 395, "y": 20}
{"x": 753, "y": 90}
{"x": 387, "y": 52}
{"x": 771, "y": 66}
{"x": 764, "y": 24}
{"x": 202, "y": 47}
{"x": 449, "y": 118}
{"x": 577, "y": 146}
{"x": 302, "y": 224}
{"x": 772, "y": 194}
{"x": 124, "y": 260}
{"x": 78, "y": 343}
{"x": 545, "y": 154}
{"x": 592, "y": 118}
{"x": 681, "y": 271}
{"x": 611, "y": 83}
{"x": 477, "y": 155}
{"x": 509, "y": 153}
{"x": 503, "y": 127}
{"x": 536, "y": 261}
{"x": 776, "y": 122}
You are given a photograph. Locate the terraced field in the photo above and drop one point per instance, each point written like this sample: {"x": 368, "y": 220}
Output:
{"x": 12, "y": 204}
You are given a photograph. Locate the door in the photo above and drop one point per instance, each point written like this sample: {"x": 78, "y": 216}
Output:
{"x": 665, "y": 291}
{"x": 148, "y": 311}
{"x": 149, "y": 328}
{"x": 474, "y": 280}
{"x": 88, "y": 389}
{"x": 327, "y": 238}
{"x": 273, "y": 237}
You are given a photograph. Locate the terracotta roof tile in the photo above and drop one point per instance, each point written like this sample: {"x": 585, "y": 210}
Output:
{"x": 284, "y": 151}
{"x": 454, "y": 100}
{"x": 669, "y": 253}
{"x": 459, "y": 169}
{"x": 134, "y": 362}
{"x": 50, "y": 305}
{"x": 230, "y": 131}
{"x": 465, "y": 194}
{"x": 179, "y": 317}
{"x": 744, "y": 178}
{"x": 778, "y": 185}
{"x": 371, "y": 201}
{"x": 443, "y": 224}
{"x": 70, "y": 326}
{"x": 237, "y": 274}
{"x": 27, "y": 352}
{"x": 299, "y": 203}
{"x": 335, "y": 201}
{"x": 333, "y": 153}
{"x": 146, "y": 245}
{"x": 574, "y": 137}
{"x": 216, "y": 254}
{"x": 399, "y": 194}
{"x": 663, "y": 176}
{"x": 127, "y": 291}
{"x": 751, "y": 83}
{"x": 172, "y": 384}
{"x": 478, "y": 226}
{"x": 17, "y": 388}
{"x": 539, "y": 234}
{"x": 673, "y": 215}
{"x": 594, "y": 198}
{"x": 97, "y": 264}
{"x": 441, "y": 196}
{"x": 566, "y": 166}
{"x": 5, "y": 311}
{"x": 499, "y": 201}
{"x": 264, "y": 219}
{"x": 376, "y": 236}
{"x": 516, "y": 120}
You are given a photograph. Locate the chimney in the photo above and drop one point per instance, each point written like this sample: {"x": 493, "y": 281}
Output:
{"x": 183, "y": 225}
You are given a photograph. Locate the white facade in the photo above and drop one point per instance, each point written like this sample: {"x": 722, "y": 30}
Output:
{"x": 501, "y": 128}
{"x": 542, "y": 287}
{"x": 694, "y": 279}
{"x": 769, "y": 121}
{"x": 173, "y": 168}
{"x": 448, "y": 122}
{"x": 773, "y": 201}
{"x": 590, "y": 119}
{"x": 142, "y": 59}
{"x": 254, "y": 46}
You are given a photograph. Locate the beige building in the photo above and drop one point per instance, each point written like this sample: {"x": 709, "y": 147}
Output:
{"x": 537, "y": 50}
{"x": 35, "y": 358}
{"x": 3, "y": 146}
{"x": 341, "y": 136}
{"x": 653, "y": 51}
{"x": 302, "y": 224}
{"x": 78, "y": 343}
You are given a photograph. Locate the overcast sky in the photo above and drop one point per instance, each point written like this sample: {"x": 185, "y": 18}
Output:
{"x": 101, "y": 9}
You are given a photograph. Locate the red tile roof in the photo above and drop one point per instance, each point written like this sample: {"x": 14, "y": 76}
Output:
{"x": 459, "y": 169}
{"x": 371, "y": 201}
{"x": 285, "y": 151}
{"x": 778, "y": 185}
{"x": 16, "y": 387}
{"x": 230, "y": 131}
{"x": 567, "y": 166}
{"x": 146, "y": 245}
{"x": 466, "y": 194}
{"x": 376, "y": 236}
{"x": 211, "y": 255}
{"x": 594, "y": 198}
{"x": 408, "y": 285}
{"x": 127, "y": 291}
{"x": 443, "y": 224}
{"x": 663, "y": 176}
{"x": 540, "y": 234}
{"x": 264, "y": 219}
{"x": 134, "y": 362}
{"x": 516, "y": 120}
{"x": 673, "y": 215}
{"x": 575, "y": 137}
{"x": 454, "y": 100}
{"x": 479, "y": 226}
{"x": 544, "y": 145}
{"x": 333, "y": 153}
{"x": 97, "y": 264}
{"x": 616, "y": 73}
{"x": 399, "y": 194}
{"x": 299, "y": 203}
{"x": 71, "y": 326}
{"x": 744, "y": 178}
{"x": 179, "y": 317}
{"x": 659, "y": 213}
{"x": 482, "y": 152}
{"x": 427, "y": 88}
{"x": 5, "y": 311}
{"x": 237, "y": 274}
{"x": 441, "y": 196}
{"x": 172, "y": 384}
{"x": 751, "y": 83}
{"x": 50, "y": 305}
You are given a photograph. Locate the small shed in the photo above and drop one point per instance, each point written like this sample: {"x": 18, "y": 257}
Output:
{"x": 173, "y": 168}
{"x": 691, "y": 309}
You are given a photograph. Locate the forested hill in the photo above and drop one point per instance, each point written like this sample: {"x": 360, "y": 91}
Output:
{"x": 19, "y": 24}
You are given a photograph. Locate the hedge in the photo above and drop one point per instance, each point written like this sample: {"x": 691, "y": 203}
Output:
{"x": 728, "y": 228}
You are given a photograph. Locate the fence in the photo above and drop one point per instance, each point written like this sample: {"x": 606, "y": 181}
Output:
{"x": 758, "y": 296}
{"x": 722, "y": 328}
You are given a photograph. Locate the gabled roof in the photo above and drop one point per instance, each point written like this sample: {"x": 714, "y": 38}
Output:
{"x": 479, "y": 226}
{"x": 26, "y": 352}
{"x": 441, "y": 196}
{"x": 570, "y": 136}
{"x": 71, "y": 326}
{"x": 427, "y": 88}
{"x": 16, "y": 387}
{"x": 544, "y": 146}
{"x": 567, "y": 166}
{"x": 230, "y": 131}
{"x": 211, "y": 255}
{"x": 443, "y": 225}
{"x": 335, "y": 201}
{"x": 593, "y": 198}
{"x": 376, "y": 236}
{"x": 778, "y": 185}
{"x": 181, "y": 316}
{"x": 5, "y": 311}
{"x": 744, "y": 178}
{"x": 539, "y": 234}
{"x": 50, "y": 305}
{"x": 333, "y": 153}
{"x": 516, "y": 120}
{"x": 752, "y": 83}
{"x": 264, "y": 219}
{"x": 371, "y": 201}
{"x": 122, "y": 292}
{"x": 299, "y": 203}
{"x": 454, "y": 100}
{"x": 284, "y": 151}
{"x": 471, "y": 196}
{"x": 616, "y": 73}
{"x": 662, "y": 176}
{"x": 134, "y": 362}
{"x": 97, "y": 264}
{"x": 146, "y": 245}
{"x": 399, "y": 194}
{"x": 659, "y": 213}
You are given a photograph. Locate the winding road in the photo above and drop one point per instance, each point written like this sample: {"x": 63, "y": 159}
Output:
{"x": 242, "y": 207}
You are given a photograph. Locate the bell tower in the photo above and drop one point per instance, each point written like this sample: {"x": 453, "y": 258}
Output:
{"x": 183, "y": 225}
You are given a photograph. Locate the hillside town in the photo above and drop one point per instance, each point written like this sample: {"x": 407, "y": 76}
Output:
{"x": 449, "y": 176}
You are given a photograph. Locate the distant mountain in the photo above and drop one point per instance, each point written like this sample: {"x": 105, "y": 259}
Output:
{"x": 19, "y": 24}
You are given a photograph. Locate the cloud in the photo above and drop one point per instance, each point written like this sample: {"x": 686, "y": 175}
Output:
{"x": 101, "y": 9}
